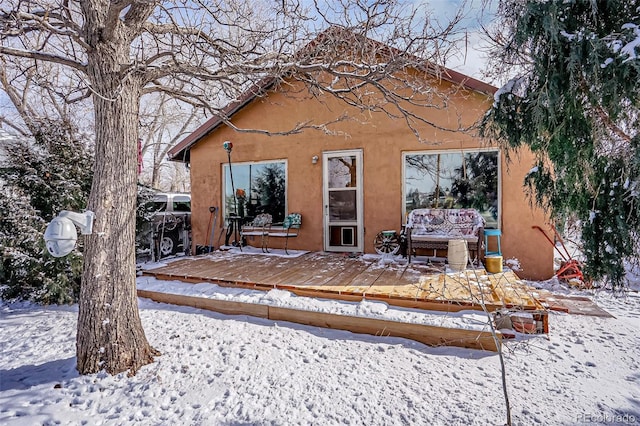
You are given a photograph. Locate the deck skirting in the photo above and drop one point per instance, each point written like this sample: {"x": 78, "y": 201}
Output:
{"x": 426, "y": 334}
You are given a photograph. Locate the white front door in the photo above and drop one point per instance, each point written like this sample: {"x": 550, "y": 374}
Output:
{"x": 343, "y": 229}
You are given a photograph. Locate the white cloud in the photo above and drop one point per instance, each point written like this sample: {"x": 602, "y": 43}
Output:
{"x": 470, "y": 57}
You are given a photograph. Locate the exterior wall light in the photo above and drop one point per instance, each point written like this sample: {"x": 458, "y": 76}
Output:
{"x": 314, "y": 159}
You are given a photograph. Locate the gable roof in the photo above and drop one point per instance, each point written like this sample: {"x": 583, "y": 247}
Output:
{"x": 181, "y": 151}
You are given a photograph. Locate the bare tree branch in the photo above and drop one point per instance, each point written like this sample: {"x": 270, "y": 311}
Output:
{"x": 41, "y": 56}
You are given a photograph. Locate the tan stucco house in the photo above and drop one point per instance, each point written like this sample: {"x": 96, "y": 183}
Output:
{"x": 389, "y": 170}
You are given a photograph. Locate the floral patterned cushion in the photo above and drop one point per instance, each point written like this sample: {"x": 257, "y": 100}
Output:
{"x": 293, "y": 221}
{"x": 445, "y": 222}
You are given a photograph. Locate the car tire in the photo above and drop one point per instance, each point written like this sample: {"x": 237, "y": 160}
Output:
{"x": 169, "y": 244}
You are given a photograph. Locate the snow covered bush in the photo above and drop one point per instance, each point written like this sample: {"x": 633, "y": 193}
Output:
{"x": 39, "y": 177}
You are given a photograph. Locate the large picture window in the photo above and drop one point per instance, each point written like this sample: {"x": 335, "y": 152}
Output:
{"x": 259, "y": 187}
{"x": 453, "y": 179}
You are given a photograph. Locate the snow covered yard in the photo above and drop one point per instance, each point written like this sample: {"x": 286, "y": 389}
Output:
{"x": 223, "y": 370}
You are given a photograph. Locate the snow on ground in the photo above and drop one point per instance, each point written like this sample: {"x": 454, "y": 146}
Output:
{"x": 237, "y": 370}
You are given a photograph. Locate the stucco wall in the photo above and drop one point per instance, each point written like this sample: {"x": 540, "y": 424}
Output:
{"x": 382, "y": 141}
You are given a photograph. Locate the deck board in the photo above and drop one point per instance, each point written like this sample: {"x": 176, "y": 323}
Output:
{"x": 300, "y": 272}
{"x": 230, "y": 270}
{"x": 360, "y": 283}
{"x": 253, "y": 270}
{"x": 510, "y": 293}
{"x": 328, "y": 272}
{"x": 338, "y": 275}
{"x": 213, "y": 268}
{"x": 390, "y": 283}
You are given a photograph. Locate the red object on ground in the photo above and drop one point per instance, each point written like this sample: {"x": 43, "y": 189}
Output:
{"x": 523, "y": 324}
{"x": 570, "y": 269}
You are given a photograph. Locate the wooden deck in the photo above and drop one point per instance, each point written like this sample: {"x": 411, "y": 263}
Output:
{"x": 331, "y": 275}
{"x": 336, "y": 276}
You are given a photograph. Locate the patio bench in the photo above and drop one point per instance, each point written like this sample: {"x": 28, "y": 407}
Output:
{"x": 288, "y": 228}
{"x": 258, "y": 227}
{"x": 263, "y": 227}
{"x": 433, "y": 228}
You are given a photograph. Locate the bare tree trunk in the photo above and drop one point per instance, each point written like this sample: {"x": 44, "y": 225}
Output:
{"x": 110, "y": 334}
{"x": 155, "y": 175}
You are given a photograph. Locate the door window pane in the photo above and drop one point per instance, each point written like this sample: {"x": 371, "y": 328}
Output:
{"x": 342, "y": 205}
{"x": 342, "y": 172}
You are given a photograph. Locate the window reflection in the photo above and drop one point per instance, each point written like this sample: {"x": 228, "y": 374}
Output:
{"x": 342, "y": 205}
{"x": 342, "y": 172}
{"x": 453, "y": 180}
{"x": 259, "y": 188}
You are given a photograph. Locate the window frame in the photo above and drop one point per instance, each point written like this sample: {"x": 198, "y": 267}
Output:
{"x": 462, "y": 152}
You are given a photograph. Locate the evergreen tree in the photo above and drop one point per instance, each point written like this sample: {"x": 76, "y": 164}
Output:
{"x": 38, "y": 178}
{"x": 575, "y": 105}
{"x": 475, "y": 182}
{"x": 270, "y": 189}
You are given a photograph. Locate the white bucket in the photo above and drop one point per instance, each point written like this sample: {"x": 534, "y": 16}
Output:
{"x": 458, "y": 255}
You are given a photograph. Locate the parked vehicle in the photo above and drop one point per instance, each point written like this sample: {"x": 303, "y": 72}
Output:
{"x": 168, "y": 230}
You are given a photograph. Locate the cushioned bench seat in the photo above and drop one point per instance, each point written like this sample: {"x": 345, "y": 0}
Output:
{"x": 434, "y": 228}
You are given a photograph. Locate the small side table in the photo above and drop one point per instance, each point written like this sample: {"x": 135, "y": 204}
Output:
{"x": 233, "y": 229}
